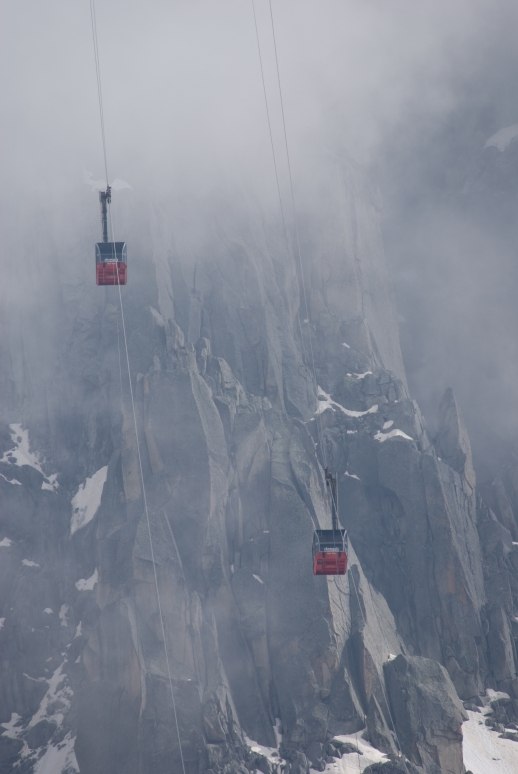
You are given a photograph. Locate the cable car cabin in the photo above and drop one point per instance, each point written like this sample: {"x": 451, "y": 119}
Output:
{"x": 110, "y": 257}
{"x": 330, "y": 545}
{"x": 330, "y": 552}
{"x": 111, "y": 263}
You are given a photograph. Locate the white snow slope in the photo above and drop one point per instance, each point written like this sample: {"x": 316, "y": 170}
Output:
{"x": 484, "y": 752}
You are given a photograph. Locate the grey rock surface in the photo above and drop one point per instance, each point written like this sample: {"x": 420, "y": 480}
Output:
{"x": 378, "y": 732}
{"x": 427, "y": 713}
{"x": 453, "y": 441}
{"x": 245, "y": 660}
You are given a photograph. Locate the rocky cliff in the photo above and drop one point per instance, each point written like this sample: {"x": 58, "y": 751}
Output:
{"x": 178, "y": 624}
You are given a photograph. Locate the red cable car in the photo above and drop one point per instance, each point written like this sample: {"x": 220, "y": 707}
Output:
{"x": 110, "y": 263}
{"x": 110, "y": 257}
{"x": 330, "y": 545}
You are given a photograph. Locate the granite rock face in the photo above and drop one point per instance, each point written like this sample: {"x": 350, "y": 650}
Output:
{"x": 427, "y": 713}
{"x": 452, "y": 439}
{"x": 157, "y": 604}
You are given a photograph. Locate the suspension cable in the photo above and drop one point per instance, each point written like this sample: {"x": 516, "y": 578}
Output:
{"x": 93, "y": 21}
{"x": 149, "y": 529}
{"x": 274, "y": 157}
{"x": 119, "y": 350}
{"x": 270, "y": 126}
{"x": 144, "y": 497}
{"x": 318, "y": 422}
{"x": 382, "y": 681}
{"x": 335, "y": 500}
{"x": 297, "y": 235}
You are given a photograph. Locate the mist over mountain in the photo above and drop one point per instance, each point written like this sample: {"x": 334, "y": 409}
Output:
{"x": 454, "y": 268}
{"x": 346, "y": 301}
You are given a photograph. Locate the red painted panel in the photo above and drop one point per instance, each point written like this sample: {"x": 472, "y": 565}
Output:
{"x": 111, "y": 273}
{"x": 330, "y": 563}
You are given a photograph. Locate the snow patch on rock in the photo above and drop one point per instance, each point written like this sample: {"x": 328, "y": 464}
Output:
{"x": 51, "y": 483}
{"x": 6, "y": 543}
{"x": 10, "y": 480}
{"x": 269, "y": 752}
{"x": 483, "y": 750}
{"x": 28, "y": 563}
{"x": 325, "y": 402}
{"x": 492, "y": 695}
{"x": 392, "y": 434}
{"x": 89, "y": 583}
{"x": 58, "y": 689}
{"x": 58, "y": 759}
{"x": 21, "y": 455}
{"x": 11, "y": 731}
{"x": 86, "y": 502}
{"x": 352, "y": 763}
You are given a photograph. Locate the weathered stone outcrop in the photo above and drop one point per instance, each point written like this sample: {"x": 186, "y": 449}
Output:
{"x": 378, "y": 731}
{"x": 413, "y": 525}
{"x": 453, "y": 441}
{"x": 427, "y": 713}
{"x": 501, "y": 577}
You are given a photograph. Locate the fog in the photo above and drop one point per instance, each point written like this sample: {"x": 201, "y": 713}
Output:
{"x": 411, "y": 90}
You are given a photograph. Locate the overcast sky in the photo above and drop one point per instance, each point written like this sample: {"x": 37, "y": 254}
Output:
{"x": 413, "y": 89}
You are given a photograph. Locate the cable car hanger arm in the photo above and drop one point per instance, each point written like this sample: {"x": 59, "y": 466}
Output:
{"x": 105, "y": 198}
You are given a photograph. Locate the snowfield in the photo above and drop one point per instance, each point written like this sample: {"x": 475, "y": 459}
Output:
{"x": 484, "y": 752}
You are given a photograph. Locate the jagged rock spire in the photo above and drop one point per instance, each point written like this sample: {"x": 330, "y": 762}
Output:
{"x": 452, "y": 438}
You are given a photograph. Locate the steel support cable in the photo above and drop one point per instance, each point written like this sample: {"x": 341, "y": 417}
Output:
{"x": 272, "y": 146}
{"x": 144, "y": 497}
{"x": 382, "y": 681}
{"x": 297, "y": 236}
{"x": 270, "y": 125}
{"x": 119, "y": 351}
{"x": 99, "y": 88}
{"x": 146, "y": 510}
{"x": 307, "y": 310}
